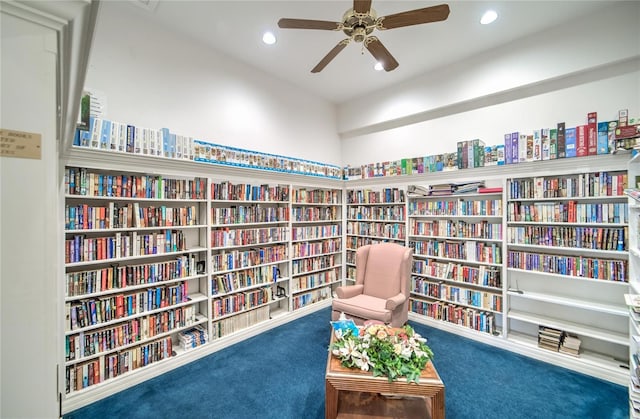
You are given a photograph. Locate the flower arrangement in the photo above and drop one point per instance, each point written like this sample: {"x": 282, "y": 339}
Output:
{"x": 386, "y": 351}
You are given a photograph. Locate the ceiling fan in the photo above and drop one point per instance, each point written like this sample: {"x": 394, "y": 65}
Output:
{"x": 359, "y": 22}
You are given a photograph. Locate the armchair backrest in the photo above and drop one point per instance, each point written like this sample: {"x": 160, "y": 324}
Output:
{"x": 384, "y": 269}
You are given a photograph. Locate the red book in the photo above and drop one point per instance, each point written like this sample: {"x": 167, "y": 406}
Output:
{"x": 581, "y": 141}
{"x": 592, "y": 133}
{"x": 490, "y": 190}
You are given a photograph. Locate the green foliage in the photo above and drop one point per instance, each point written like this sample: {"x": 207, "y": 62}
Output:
{"x": 385, "y": 351}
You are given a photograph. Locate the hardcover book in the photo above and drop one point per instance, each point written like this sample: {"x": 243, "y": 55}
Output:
{"x": 582, "y": 142}
{"x": 537, "y": 145}
{"x": 562, "y": 153}
{"x": 592, "y": 133}
{"x": 570, "y": 142}
{"x": 603, "y": 138}
{"x": 500, "y": 154}
{"x": 553, "y": 143}
{"x": 546, "y": 144}
{"x": 515, "y": 147}
{"x": 507, "y": 149}
{"x": 522, "y": 148}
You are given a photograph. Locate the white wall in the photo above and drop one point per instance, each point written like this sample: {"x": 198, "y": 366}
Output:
{"x": 490, "y": 123}
{"x": 558, "y": 75}
{"x": 154, "y": 78}
{"x": 29, "y": 225}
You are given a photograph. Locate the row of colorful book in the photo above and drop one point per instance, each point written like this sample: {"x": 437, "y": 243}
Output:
{"x": 593, "y": 138}
{"x": 106, "y": 135}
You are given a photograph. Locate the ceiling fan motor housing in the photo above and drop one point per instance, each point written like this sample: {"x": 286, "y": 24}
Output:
{"x": 358, "y": 26}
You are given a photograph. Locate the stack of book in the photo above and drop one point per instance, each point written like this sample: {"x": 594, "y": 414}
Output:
{"x": 570, "y": 345}
{"x": 460, "y": 188}
{"x": 194, "y": 337}
{"x": 549, "y": 338}
{"x": 441, "y": 189}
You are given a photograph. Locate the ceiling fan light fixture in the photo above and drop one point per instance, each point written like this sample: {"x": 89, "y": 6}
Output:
{"x": 488, "y": 17}
{"x": 378, "y": 66}
{"x": 269, "y": 38}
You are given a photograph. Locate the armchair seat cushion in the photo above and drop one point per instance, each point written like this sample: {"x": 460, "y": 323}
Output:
{"x": 364, "y": 306}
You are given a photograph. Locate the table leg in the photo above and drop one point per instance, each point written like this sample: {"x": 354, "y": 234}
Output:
{"x": 331, "y": 401}
{"x": 437, "y": 405}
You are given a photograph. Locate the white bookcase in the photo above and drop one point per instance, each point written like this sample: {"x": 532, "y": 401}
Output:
{"x": 254, "y": 254}
{"x": 593, "y": 309}
{"x": 198, "y": 258}
{"x": 374, "y": 215}
{"x": 458, "y": 259}
{"x": 249, "y": 263}
{"x": 133, "y": 245}
{"x": 567, "y": 261}
{"x": 633, "y": 193}
{"x": 316, "y": 244}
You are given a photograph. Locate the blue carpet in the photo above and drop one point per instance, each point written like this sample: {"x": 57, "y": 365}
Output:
{"x": 280, "y": 374}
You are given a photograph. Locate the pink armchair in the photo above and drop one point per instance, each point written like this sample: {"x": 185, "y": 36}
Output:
{"x": 381, "y": 291}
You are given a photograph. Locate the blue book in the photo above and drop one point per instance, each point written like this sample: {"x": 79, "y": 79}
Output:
{"x": 507, "y": 149}
{"x": 166, "y": 142}
{"x": 620, "y": 246}
{"x": 515, "y": 148}
{"x": 105, "y": 135}
{"x": 603, "y": 138}
{"x": 501, "y": 154}
{"x": 570, "y": 142}
{"x": 131, "y": 138}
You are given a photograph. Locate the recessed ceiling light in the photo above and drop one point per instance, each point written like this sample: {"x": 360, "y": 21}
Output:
{"x": 488, "y": 17}
{"x": 269, "y": 38}
{"x": 378, "y": 66}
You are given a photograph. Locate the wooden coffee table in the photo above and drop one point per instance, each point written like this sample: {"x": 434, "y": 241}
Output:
{"x": 352, "y": 393}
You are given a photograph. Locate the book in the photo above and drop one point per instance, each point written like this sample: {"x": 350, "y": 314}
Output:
{"x": 530, "y": 142}
{"x": 582, "y": 145}
{"x": 507, "y": 149}
{"x": 546, "y": 144}
{"x": 553, "y": 143}
{"x": 515, "y": 147}
{"x": 602, "y": 138}
{"x": 570, "y": 142}
{"x": 561, "y": 140}
{"x": 496, "y": 189}
{"x": 537, "y": 145}
{"x": 592, "y": 133}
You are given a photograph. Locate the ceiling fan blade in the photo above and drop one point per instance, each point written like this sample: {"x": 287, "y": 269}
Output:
{"x": 285, "y": 23}
{"x": 361, "y": 6}
{"x": 330, "y": 56}
{"x": 380, "y": 53}
{"x": 414, "y": 17}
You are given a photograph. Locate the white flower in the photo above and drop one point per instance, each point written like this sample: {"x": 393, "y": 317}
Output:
{"x": 363, "y": 362}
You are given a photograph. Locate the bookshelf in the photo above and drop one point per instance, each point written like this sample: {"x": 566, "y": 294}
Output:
{"x": 282, "y": 235}
{"x": 133, "y": 242}
{"x": 373, "y": 216}
{"x": 216, "y": 248}
{"x": 249, "y": 254}
{"x": 316, "y": 244}
{"x": 458, "y": 259}
{"x": 567, "y": 262}
{"x": 633, "y": 195}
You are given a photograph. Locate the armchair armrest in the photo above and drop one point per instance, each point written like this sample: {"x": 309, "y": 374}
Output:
{"x": 349, "y": 291}
{"x": 395, "y": 301}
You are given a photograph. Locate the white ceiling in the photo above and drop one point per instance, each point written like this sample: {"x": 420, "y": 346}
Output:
{"x": 235, "y": 28}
